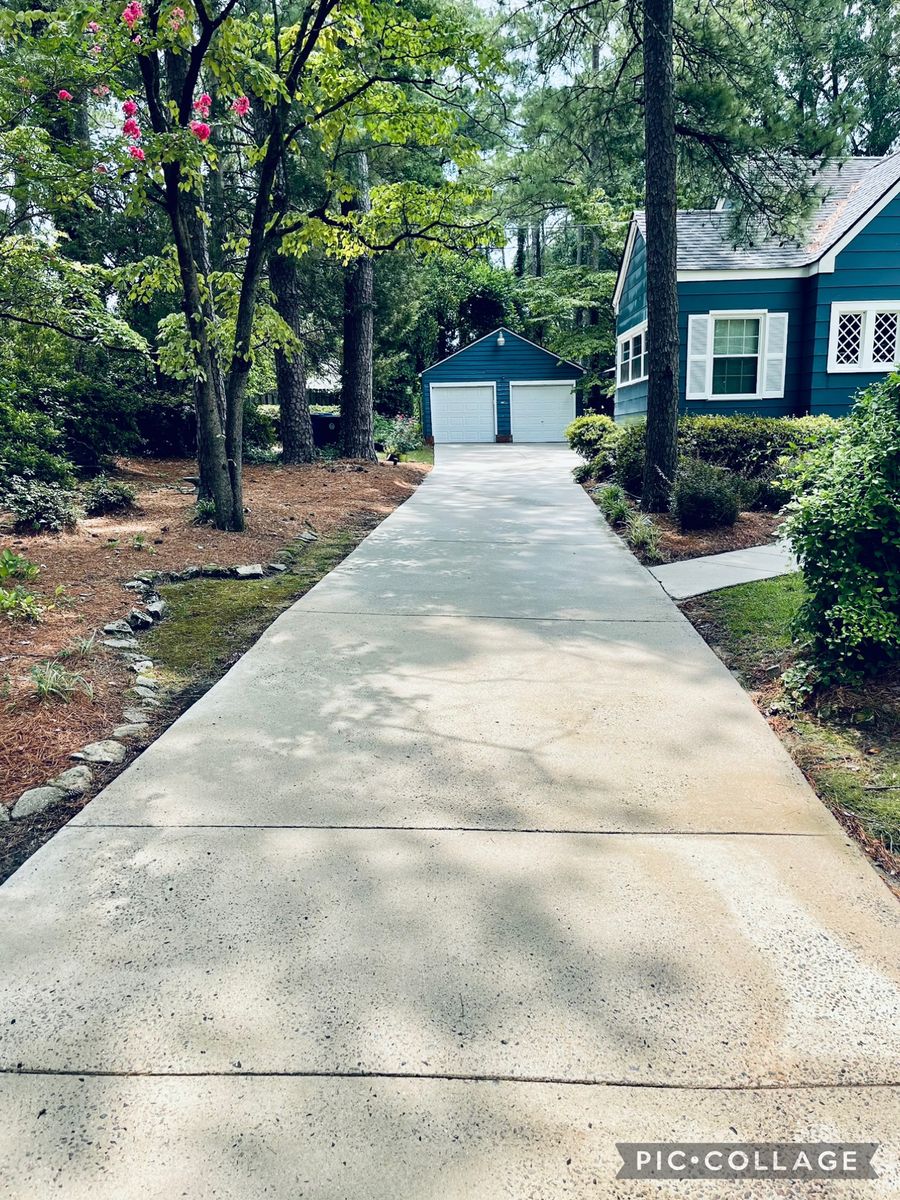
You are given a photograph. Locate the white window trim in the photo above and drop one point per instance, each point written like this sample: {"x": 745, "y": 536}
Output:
{"x": 744, "y": 314}
{"x": 868, "y": 309}
{"x": 628, "y": 336}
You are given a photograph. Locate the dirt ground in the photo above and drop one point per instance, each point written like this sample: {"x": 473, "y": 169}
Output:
{"x": 82, "y": 574}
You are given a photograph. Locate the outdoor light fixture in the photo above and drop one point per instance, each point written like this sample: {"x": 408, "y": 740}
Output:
{"x": 501, "y": 340}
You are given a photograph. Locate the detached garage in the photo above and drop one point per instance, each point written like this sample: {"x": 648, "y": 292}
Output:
{"x": 501, "y": 388}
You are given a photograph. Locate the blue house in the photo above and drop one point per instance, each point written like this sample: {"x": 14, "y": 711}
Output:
{"x": 780, "y": 327}
{"x": 502, "y": 388}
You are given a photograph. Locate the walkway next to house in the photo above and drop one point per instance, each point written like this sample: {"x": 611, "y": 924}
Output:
{"x": 695, "y": 576}
{"x": 476, "y": 864}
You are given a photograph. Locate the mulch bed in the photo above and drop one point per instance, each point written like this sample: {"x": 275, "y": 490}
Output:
{"x": 91, "y": 564}
{"x": 750, "y": 529}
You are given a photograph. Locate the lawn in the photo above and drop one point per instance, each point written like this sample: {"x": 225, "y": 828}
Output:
{"x": 847, "y": 743}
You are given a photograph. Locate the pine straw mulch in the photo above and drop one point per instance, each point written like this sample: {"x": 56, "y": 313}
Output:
{"x": 91, "y": 564}
{"x": 750, "y": 529}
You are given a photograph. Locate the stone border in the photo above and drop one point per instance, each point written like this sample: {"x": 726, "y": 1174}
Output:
{"x": 121, "y": 638}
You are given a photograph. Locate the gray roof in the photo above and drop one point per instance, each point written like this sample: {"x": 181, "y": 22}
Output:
{"x": 848, "y": 190}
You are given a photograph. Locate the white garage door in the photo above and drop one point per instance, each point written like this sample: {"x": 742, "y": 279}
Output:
{"x": 462, "y": 412}
{"x": 539, "y": 412}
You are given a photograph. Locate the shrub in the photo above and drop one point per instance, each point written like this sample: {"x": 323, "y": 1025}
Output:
{"x": 845, "y": 529}
{"x": 587, "y": 435}
{"x": 19, "y": 605}
{"x": 41, "y": 507}
{"x": 259, "y": 428}
{"x": 752, "y": 446}
{"x": 705, "y": 495}
{"x": 628, "y": 458}
{"x": 613, "y": 504}
{"x": 643, "y": 534}
{"x": 28, "y": 442}
{"x": 399, "y": 434}
{"x": 16, "y": 566}
{"x": 104, "y": 495}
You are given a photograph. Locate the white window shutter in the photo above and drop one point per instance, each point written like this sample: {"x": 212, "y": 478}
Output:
{"x": 699, "y": 328}
{"x": 775, "y": 355}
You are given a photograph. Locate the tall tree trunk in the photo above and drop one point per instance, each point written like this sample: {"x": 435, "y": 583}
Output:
{"x": 662, "y": 278}
{"x": 357, "y": 437}
{"x": 537, "y": 257}
{"x": 290, "y": 369}
{"x": 521, "y": 245}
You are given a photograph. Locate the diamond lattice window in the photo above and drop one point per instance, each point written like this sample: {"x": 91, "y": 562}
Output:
{"x": 884, "y": 338}
{"x": 849, "y": 338}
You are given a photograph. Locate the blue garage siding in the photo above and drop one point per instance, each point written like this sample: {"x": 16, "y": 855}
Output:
{"x": 486, "y": 362}
{"x": 868, "y": 269}
{"x": 774, "y": 295}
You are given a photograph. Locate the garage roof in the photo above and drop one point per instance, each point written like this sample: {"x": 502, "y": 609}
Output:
{"x": 507, "y": 332}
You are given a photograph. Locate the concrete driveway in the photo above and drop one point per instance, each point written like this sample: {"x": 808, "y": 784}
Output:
{"x": 477, "y": 863}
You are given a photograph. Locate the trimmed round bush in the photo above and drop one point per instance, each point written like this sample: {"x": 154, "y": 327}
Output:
{"x": 844, "y": 527}
{"x": 628, "y": 458}
{"x": 587, "y": 435}
{"x": 705, "y": 496}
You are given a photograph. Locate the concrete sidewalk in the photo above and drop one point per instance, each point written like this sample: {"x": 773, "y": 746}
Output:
{"x": 711, "y": 572}
{"x": 477, "y": 863}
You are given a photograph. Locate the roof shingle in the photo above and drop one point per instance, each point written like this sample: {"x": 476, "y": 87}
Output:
{"x": 848, "y": 189}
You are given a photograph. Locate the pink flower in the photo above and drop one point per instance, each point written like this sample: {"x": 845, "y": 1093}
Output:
{"x": 95, "y": 50}
{"x": 200, "y": 130}
{"x": 136, "y": 153}
{"x": 101, "y": 169}
{"x": 129, "y": 108}
{"x": 241, "y": 106}
{"x": 132, "y": 13}
{"x": 100, "y": 90}
{"x": 131, "y": 128}
{"x": 203, "y": 105}
{"x": 93, "y": 27}
{"x": 176, "y": 18}
{"x": 62, "y": 94}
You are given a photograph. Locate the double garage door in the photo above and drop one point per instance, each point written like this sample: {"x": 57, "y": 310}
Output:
{"x": 467, "y": 412}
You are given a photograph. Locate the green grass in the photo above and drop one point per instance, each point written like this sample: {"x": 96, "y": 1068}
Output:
{"x": 211, "y": 622}
{"x": 848, "y": 742}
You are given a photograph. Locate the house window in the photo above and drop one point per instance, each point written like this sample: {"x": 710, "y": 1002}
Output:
{"x": 633, "y": 357}
{"x": 736, "y": 355}
{"x": 735, "y": 361}
{"x": 864, "y": 337}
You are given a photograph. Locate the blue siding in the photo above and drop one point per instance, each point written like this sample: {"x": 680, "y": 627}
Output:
{"x": 486, "y": 362}
{"x": 631, "y": 401}
{"x": 774, "y": 295}
{"x": 633, "y": 301}
{"x": 868, "y": 269}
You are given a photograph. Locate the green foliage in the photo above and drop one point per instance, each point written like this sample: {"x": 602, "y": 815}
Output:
{"x": 628, "y": 465}
{"x": 613, "y": 503}
{"x": 260, "y": 428}
{"x": 845, "y": 530}
{"x": 53, "y": 682}
{"x": 29, "y": 444}
{"x": 16, "y": 566}
{"x": 18, "y": 604}
{"x": 643, "y": 535}
{"x": 204, "y": 513}
{"x": 104, "y": 495}
{"x": 589, "y": 434}
{"x": 704, "y": 495}
{"x": 41, "y": 507}
{"x": 753, "y": 446}
{"x": 399, "y": 434}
